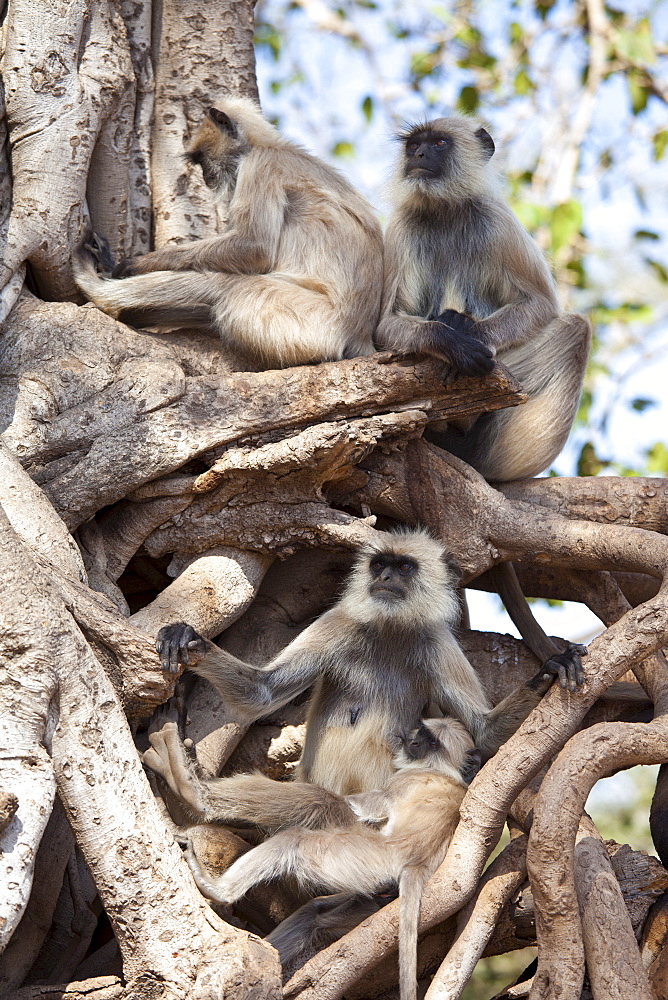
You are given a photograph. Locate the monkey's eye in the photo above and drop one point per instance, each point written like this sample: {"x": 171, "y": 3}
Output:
{"x": 406, "y": 568}
{"x": 440, "y": 143}
{"x": 376, "y": 565}
{"x": 433, "y": 743}
{"x": 412, "y": 146}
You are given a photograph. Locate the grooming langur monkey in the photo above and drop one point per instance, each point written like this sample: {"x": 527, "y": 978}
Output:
{"x": 383, "y": 656}
{"x": 464, "y": 281}
{"x": 418, "y": 810}
{"x": 296, "y": 278}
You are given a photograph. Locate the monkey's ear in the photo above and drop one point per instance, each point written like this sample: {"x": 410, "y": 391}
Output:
{"x": 223, "y": 121}
{"x": 486, "y": 141}
{"x": 453, "y": 566}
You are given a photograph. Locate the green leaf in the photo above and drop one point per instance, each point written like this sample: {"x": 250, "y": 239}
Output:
{"x": 543, "y": 7}
{"x": 589, "y": 464}
{"x": 660, "y": 144}
{"x": 343, "y": 149}
{"x": 424, "y": 63}
{"x": 638, "y": 91}
{"x": 266, "y": 34}
{"x": 516, "y": 33}
{"x": 468, "y": 100}
{"x": 645, "y": 234}
{"x": 657, "y": 459}
{"x": 584, "y": 408}
{"x": 523, "y": 83}
{"x": 641, "y": 404}
{"x": 565, "y": 224}
{"x": 636, "y": 45}
{"x": 367, "y": 108}
{"x": 659, "y": 269}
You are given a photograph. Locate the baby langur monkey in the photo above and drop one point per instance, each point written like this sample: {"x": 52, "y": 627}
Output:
{"x": 296, "y": 277}
{"x": 417, "y": 814}
{"x": 465, "y": 281}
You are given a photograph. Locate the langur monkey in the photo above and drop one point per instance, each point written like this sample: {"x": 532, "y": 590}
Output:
{"x": 417, "y": 813}
{"x": 296, "y": 278}
{"x": 381, "y": 657}
{"x": 465, "y": 282}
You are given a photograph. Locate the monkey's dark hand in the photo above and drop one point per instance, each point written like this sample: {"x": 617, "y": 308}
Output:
{"x": 467, "y": 355}
{"x": 460, "y": 322}
{"x": 177, "y": 644}
{"x": 98, "y": 247}
{"x": 567, "y": 666}
{"x": 126, "y": 268}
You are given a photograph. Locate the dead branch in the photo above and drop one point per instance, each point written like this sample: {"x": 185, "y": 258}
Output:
{"x": 477, "y": 920}
{"x": 632, "y": 501}
{"x": 589, "y": 756}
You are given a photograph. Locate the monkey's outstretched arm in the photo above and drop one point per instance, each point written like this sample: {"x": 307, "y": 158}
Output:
{"x": 497, "y": 726}
{"x": 254, "y": 691}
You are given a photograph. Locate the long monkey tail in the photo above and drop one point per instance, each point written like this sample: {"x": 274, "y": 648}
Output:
{"x": 411, "y": 884}
{"x": 256, "y": 800}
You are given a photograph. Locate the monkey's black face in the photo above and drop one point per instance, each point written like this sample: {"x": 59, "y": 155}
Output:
{"x": 419, "y": 743}
{"x": 391, "y": 576}
{"x": 427, "y": 154}
{"x": 212, "y": 172}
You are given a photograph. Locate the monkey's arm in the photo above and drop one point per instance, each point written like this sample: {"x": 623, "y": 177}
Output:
{"x": 400, "y": 331}
{"x": 232, "y": 252}
{"x": 522, "y": 281}
{"x": 491, "y": 730}
{"x": 253, "y": 691}
{"x": 250, "y": 246}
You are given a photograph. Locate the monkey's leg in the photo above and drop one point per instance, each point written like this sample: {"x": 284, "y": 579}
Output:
{"x": 285, "y": 321}
{"x": 277, "y": 856}
{"x": 321, "y": 921}
{"x": 522, "y": 441}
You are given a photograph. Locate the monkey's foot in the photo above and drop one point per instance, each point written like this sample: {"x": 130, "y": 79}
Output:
{"x": 177, "y": 644}
{"x": 167, "y": 758}
{"x": 98, "y": 248}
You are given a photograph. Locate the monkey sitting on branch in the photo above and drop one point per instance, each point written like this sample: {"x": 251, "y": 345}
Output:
{"x": 295, "y": 279}
{"x": 418, "y": 811}
{"x": 464, "y": 281}
{"x": 383, "y": 656}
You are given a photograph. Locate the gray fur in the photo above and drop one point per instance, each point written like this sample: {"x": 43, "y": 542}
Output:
{"x": 453, "y": 244}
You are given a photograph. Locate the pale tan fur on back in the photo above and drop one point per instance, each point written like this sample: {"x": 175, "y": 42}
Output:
{"x": 296, "y": 278}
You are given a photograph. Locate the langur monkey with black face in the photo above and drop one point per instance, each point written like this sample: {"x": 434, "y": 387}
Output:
{"x": 296, "y": 277}
{"x": 382, "y": 657}
{"x": 464, "y": 281}
{"x": 418, "y": 810}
